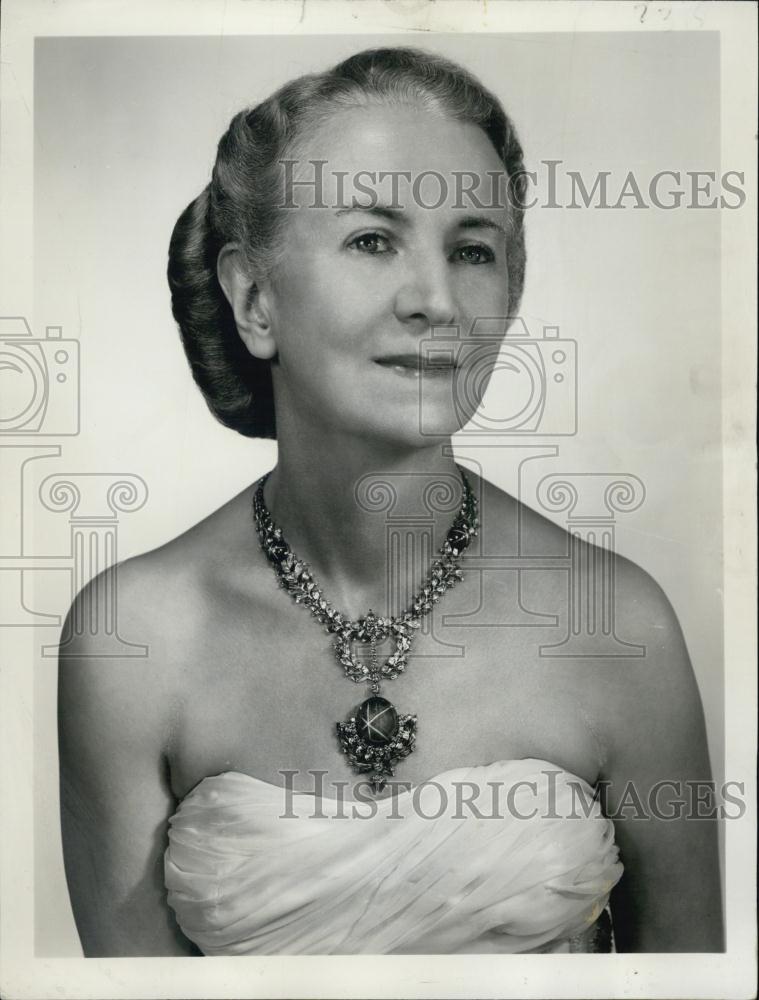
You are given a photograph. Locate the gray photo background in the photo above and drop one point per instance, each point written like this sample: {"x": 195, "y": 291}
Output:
{"x": 125, "y": 134}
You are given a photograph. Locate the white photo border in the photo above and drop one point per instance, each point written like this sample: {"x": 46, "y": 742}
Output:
{"x": 731, "y": 974}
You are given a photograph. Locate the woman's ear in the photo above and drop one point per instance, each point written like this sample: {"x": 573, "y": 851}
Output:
{"x": 249, "y": 302}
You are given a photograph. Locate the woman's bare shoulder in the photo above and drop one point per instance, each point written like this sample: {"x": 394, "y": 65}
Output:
{"x": 635, "y": 663}
{"x": 159, "y": 602}
{"x": 220, "y": 539}
{"x": 180, "y": 574}
{"x": 514, "y": 527}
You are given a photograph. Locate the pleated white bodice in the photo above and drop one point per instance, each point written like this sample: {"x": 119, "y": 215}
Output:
{"x": 253, "y": 870}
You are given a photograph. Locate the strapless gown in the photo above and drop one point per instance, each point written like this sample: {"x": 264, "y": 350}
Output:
{"x": 250, "y": 871}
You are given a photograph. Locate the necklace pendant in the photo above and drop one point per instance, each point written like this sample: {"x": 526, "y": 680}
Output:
{"x": 375, "y": 738}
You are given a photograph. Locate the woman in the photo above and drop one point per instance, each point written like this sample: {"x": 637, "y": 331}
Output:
{"x": 350, "y": 216}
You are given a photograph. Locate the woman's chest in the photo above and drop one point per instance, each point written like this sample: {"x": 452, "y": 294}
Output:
{"x": 265, "y": 697}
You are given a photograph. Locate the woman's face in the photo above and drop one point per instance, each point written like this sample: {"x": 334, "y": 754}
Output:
{"x": 388, "y": 247}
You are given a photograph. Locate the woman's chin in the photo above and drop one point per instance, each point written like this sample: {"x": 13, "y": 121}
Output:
{"x": 409, "y": 431}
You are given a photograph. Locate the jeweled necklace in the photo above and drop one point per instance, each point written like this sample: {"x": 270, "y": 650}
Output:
{"x": 375, "y": 737}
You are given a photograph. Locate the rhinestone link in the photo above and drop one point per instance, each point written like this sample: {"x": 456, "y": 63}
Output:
{"x": 296, "y": 578}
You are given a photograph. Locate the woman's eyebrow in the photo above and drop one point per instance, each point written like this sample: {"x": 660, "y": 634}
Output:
{"x": 397, "y": 215}
{"x": 479, "y": 222}
{"x": 382, "y": 211}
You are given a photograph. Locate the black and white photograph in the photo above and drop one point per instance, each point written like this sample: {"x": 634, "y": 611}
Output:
{"x": 378, "y": 466}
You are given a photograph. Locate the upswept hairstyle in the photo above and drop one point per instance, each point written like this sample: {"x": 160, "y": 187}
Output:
{"x": 240, "y": 205}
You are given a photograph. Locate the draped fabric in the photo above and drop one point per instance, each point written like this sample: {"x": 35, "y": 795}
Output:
{"x": 526, "y": 866}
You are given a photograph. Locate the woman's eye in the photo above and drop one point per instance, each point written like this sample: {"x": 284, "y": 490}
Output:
{"x": 476, "y": 253}
{"x": 372, "y": 243}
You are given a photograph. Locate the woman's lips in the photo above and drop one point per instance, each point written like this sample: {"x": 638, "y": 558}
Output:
{"x": 413, "y": 366}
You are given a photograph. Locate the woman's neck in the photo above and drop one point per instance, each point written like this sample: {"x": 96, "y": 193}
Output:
{"x": 368, "y": 519}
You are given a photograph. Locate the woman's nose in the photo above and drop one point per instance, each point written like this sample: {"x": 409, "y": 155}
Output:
{"x": 427, "y": 296}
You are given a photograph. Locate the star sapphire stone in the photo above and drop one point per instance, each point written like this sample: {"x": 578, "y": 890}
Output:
{"x": 376, "y": 721}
